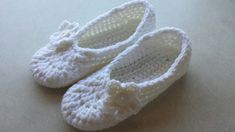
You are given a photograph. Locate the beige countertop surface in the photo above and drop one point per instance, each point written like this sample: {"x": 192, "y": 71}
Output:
{"x": 202, "y": 101}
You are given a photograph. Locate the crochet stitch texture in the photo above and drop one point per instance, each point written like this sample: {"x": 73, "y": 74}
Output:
{"x": 133, "y": 79}
{"x": 75, "y": 52}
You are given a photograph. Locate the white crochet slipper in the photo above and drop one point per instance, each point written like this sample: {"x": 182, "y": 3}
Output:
{"x": 129, "y": 82}
{"x": 73, "y": 53}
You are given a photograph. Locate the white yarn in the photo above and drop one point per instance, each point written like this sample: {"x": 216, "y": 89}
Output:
{"x": 134, "y": 78}
{"x": 74, "y": 52}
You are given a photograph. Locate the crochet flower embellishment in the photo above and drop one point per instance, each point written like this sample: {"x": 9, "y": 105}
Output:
{"x": 66, "y": 29}
{"x": 124, "y": 97}
{"x": 62, "y": 40}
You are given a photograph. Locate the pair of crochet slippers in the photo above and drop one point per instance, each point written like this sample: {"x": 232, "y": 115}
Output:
{"x": 138, "y": 64}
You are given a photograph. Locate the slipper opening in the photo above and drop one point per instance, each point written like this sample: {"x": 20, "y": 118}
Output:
{"x": 151, "y": 59}
{"x": 117, "y": 27}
